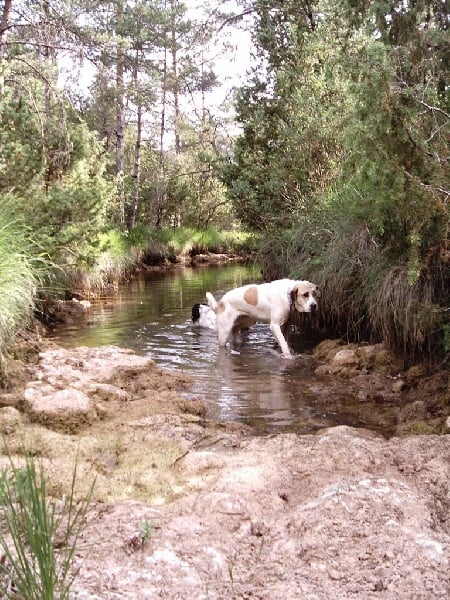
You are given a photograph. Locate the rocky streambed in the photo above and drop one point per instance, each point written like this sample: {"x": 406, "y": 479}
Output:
{"x": 187, "y": 508}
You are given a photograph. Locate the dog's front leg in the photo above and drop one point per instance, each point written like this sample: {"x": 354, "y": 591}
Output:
{"x": 224, "y": 332}
{"x": 277, "y": 333}
{"x": 223, "y": 337}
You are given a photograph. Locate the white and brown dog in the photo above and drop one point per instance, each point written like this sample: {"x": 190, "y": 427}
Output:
{"x": 267, "y": 302}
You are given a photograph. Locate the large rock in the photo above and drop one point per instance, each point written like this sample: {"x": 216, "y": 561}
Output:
{"x": 344, "y": 514}
{"x": 85, "y": 365}
{"x": 72, "y": 388}
{"x": 348, "y": 360}
{"x": 71, "y": 383}
{"x": 65, "y": 410}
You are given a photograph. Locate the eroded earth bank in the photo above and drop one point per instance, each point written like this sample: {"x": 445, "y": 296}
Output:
{"x": 185, "y": 508}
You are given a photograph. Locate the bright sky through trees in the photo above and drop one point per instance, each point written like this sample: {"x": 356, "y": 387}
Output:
{"x": 229, "y": 56}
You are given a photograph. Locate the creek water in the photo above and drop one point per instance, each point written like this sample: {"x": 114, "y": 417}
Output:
{"x": 252, "y": 383}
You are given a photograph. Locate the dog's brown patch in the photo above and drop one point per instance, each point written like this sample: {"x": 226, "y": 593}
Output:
{"x": 220, "y": 308}
{"x": 251, "y": 295}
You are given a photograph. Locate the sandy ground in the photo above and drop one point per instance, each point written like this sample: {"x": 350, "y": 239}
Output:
{"x": 184, "y": 508}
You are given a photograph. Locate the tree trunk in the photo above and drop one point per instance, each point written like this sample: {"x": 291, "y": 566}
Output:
{"x": 137, "y": 148}
{"x": 176, "y": 93}
{"x": 160, "y": 183}
{"x": 120, "y": 119}
{"x": 4, "y": 26}
{"x": 48, "y": 50}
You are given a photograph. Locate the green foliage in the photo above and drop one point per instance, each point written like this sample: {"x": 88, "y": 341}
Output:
{"x": 102, "y": 262}
{"x": 71, "y": 211}
{"x": 292, "y": 138}
{"x": 21, "y": 142}
{"x": 38, "y": 537}
{"x": 186, "y": 240}
{"x": 61, "y": 162}
{"x": 189, "y": 192}
{"x": 54, "y": 170}
{"x": 342, "y": 162}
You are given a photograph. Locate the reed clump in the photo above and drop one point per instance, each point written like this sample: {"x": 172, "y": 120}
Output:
{"x": 22, "y": 272}
{"x": 38, "y": 536}
{"x": 368, "y": 294}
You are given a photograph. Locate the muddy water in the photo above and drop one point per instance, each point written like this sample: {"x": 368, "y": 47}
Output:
{"x": 251, "y": 384}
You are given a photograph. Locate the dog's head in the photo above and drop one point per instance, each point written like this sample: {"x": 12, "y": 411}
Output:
{"x": 304, "y": 296}
{"x": 204, "y": 316}
{"x": 196, "y": 312}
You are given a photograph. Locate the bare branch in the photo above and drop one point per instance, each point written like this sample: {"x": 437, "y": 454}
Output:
{"x": 433, "y": 108}
{"x": 235, "y": 18}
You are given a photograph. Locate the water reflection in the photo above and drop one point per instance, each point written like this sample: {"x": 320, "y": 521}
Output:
{"x": 252, "y": 383}
{"x": 269, "y": 392}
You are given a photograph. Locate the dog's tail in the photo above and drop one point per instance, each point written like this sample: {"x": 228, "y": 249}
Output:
{"x": 212, "y": 302}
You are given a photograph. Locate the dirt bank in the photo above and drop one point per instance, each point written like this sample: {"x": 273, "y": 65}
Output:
{"x": 186, "y": 508}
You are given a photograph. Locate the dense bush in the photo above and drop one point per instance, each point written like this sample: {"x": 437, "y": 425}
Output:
{"x": 343, "y": 159}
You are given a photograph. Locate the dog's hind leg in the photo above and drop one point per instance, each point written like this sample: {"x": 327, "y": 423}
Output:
{"x": 241, "y": 323}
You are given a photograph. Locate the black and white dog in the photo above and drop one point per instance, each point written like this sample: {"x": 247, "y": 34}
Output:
{"x": 204, "y": 316}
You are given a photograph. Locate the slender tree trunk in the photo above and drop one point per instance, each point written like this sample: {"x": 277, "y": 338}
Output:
{"x": 137, "y": 147}
{"x": 202, "y": 83}
{"x": 160, "y": 183}
{"x": 4, "y": 26}
{"x": 176, "y": 93}
{"x": 50, "y": 57}
{"x": 105, "y": 130}
{"x": 120, "y": 119}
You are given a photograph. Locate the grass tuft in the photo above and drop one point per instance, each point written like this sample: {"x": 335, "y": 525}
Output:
{"x": 38, "y": 537}
{"x": 22, "y": 272}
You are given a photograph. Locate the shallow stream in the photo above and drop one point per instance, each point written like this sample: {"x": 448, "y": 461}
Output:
{"x": 252, "y": 384}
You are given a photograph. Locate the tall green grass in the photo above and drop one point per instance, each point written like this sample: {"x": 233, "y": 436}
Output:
{"x": 38, "y": 538}
{"x": 100, "y": 265}
{"x": 187, "y": 240}
{"x": 106, "y": 261}
{"x": 22, "y": 271}
{"x": 367, "y": 293}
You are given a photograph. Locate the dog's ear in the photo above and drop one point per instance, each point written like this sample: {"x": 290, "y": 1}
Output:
{"x": 195, "y": 314}
{"x": 293, "y": 294}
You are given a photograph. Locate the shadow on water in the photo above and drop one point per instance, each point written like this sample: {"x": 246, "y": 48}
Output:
{"x": 251, "y": 383}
